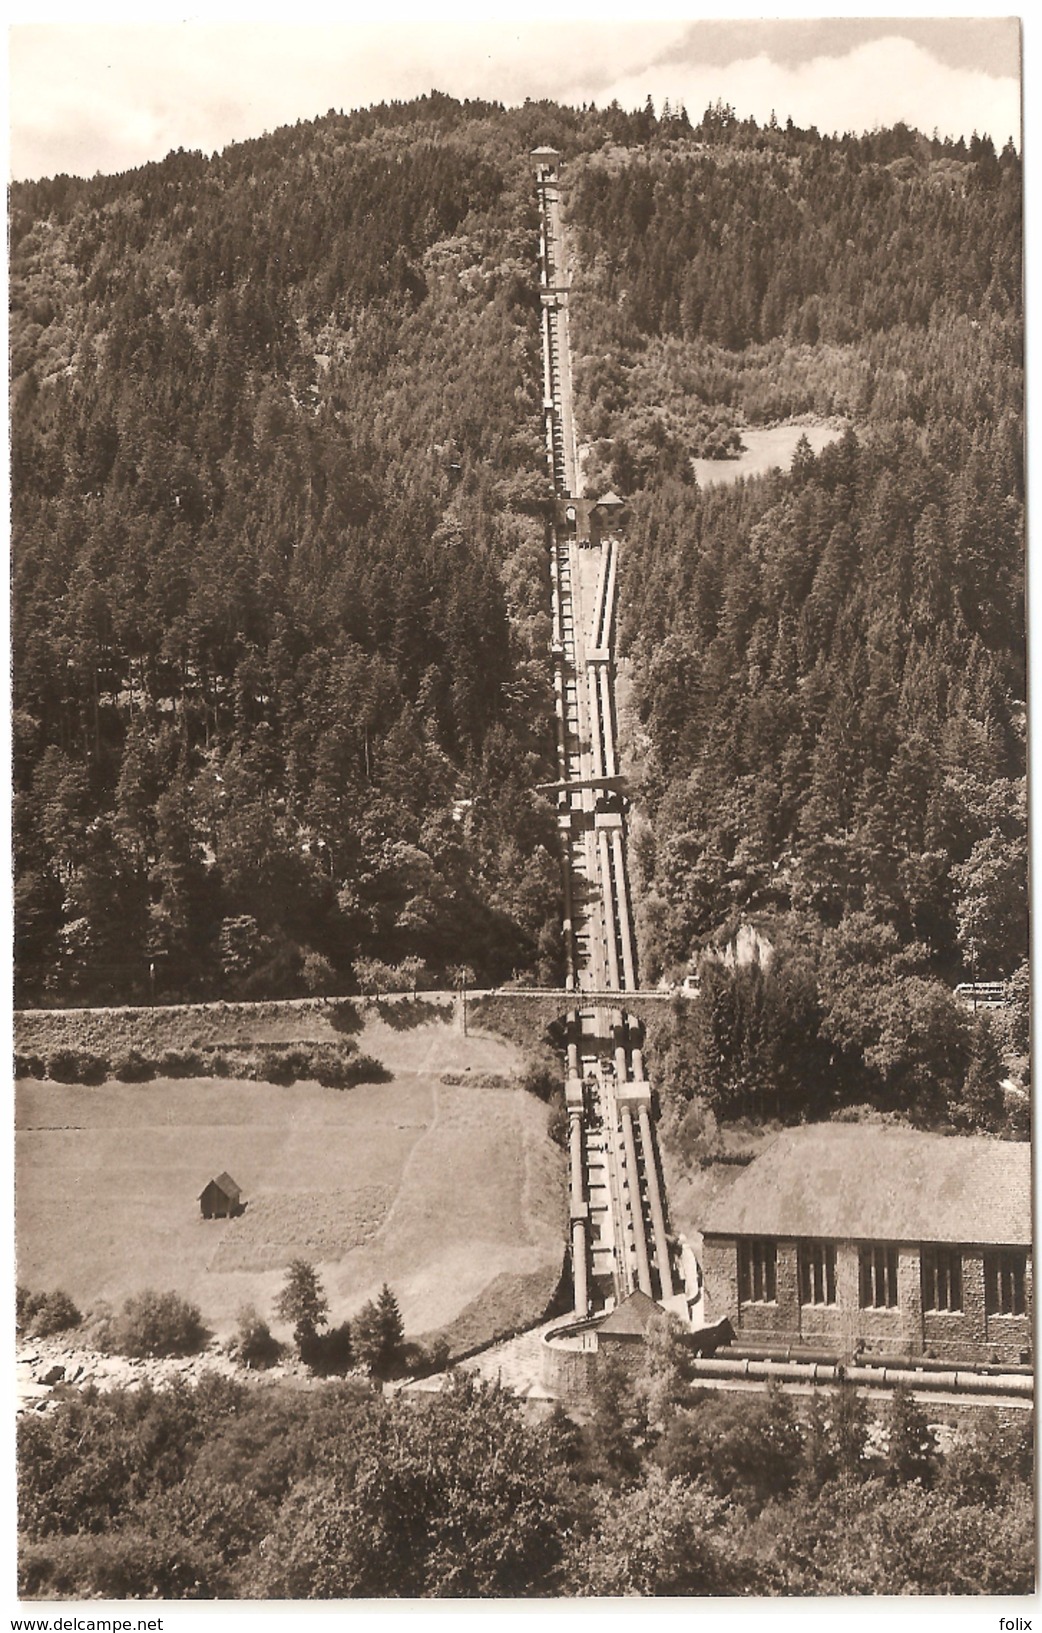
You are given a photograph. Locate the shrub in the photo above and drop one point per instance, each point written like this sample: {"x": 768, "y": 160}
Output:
{"x": 275, "y": 1066}
{"x": 182, "y": 1063}
{"x": 420, "y": 1360}
{"x": 69, "y": 1065}
{"x": 133, "y": 1067}
{"x": 751, "y": 1447}
{"x": 1018, "y": 1117}
{"x": 26, "y": 1306}
{"x": 255, "y": 1346}
{"x": 367, "y": 1069}
{"x": 93, "y": 1068}
{"x": 990, "y": 1454}
{"x": 557, "y": 1121}
{"x": 54, "y": 1313}
{"x": 29, "y": 1065}
{"x": 306, "y": 1056}
{"x": 541, "y": 1078}
{"x": 343, "y": 1016}
{"x": 911, "y": 1451}
{"x": 317, "y": 974}
{"x": 156, "y": 1324}
{"x": 328, "y": 1354}
{"x": 63, "y": 1065}
{"x": 335, "y": 1070}
{"x": 697, "y": 1136}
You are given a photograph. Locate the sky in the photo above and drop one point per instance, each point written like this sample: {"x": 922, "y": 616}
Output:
{"x": 111, "y": 93}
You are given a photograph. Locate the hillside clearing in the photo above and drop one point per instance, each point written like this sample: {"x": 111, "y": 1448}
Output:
{"x": 439, "y": 1189}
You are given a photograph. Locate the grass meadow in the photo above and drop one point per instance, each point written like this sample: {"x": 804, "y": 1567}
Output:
{"x": 451, "y": 1191}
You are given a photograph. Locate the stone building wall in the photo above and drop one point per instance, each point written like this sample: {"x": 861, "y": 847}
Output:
{"x": 569, "y": 1374}
{"x": 720, "y": 1272}
{"x": 964, "y": 1336}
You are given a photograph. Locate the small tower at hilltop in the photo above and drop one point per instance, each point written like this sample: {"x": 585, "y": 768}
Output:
{"x": 546, "y": 161}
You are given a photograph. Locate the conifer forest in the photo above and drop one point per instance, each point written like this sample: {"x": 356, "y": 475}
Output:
{"x": 279, "y": 608}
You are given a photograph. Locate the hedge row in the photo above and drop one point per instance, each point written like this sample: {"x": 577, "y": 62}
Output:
{"x": 336, "y": 1066}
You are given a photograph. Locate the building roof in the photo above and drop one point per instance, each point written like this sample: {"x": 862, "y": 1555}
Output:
{"x": 631, "y": 1318}
{"x": 545, "y": 153}
{"x": 224, "y": 1182}
{"x": 610, "y": 498}
{"x": 862, "y": 1182}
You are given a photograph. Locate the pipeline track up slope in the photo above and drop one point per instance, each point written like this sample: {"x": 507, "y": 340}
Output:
{"x": 619, "y": 1233}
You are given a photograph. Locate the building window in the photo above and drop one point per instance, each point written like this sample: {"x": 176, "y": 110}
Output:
{"x": 1004, "y": 1283}
{"x": 942, "y": 1278}
{"x": 817, "y": 1272}
{"x": 757, "y": 1272}
{"x": 878, "y": 1277}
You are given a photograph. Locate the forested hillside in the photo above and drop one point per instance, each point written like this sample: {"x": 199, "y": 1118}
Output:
{"x": 829, "y": 664}
{"x": 280, "y": 621}
{"x": 278, "y": 576}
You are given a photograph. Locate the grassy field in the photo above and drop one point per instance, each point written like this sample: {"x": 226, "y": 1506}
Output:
{"x": 449, "y": 1191}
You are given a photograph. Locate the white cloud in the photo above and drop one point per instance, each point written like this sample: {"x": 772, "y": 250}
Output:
{"x": 878, "y": 83}
{"x": 106, "y": 96}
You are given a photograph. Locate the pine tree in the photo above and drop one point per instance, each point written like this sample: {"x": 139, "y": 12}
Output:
{"x": 849, "y": 1429}
{"x": 911, "y": 1446}
{"x": 379, "y": 1336}
{"x": 981, "y": 1106}
{"x": 303, "y": 1302}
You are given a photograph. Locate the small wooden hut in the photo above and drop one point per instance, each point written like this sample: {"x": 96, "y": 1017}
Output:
{"x": 221, "y": 1198}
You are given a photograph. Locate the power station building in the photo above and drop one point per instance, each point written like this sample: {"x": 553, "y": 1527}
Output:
{"x": 879, "y": 1240}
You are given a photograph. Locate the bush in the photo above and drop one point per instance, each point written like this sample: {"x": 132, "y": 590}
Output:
{"x": 312, "y": 1056}
{"x": 255, "y": 1346}
{"x": 133, "y": 1067}
{"x": 55, "y": 1312}
{"x": 990, "y": 1455}
{"x": 1018, "y": 1117}
{"x": 156, "y": 1324}
{"x": 557, "y": 1121}
{"x": 93, "y": 1068}
{"x": 697, "y": 1136}
{"x": 332, "y": 1073}
{"x": 26, "y": 1306}
{"x": 335, "y": 1069}
{"x": 329, "y": 1354}
{"x": 750, "y": 1447}
{"x": 421, "y": 1360}
{"x": 343, "y": 1016}
{"x": 29, "y": 1065}
{"x": 63, "y": 1065}
{"x": 367, "y": 1069}
{"x": 317, "y": 974}
{"x": 275, "y": 1066}
{"x": 67, "y": 1066}
{"x": 541, "y": 1078}
{"x": 182, "y": 1063}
